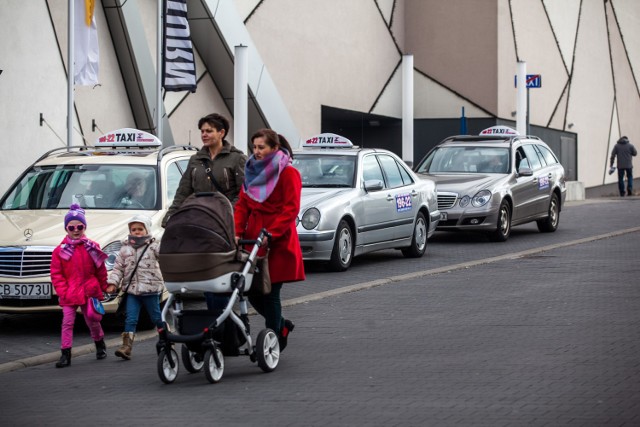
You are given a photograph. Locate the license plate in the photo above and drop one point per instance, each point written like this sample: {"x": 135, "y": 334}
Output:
{"x": 443, "y": 216}
{"x": 25, "y": 290}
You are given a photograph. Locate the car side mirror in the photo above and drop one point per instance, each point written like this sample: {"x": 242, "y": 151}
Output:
{"x": 524, "y": 171}
{"x": 373, "y": 185}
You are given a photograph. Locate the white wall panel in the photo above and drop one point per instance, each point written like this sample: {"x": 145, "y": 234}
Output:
{"x": 591, "y": 94}
{"x": 627, "y": 13}
{"x": 33, "y": 81}
{"x": 563, "y": 15}
{"x": 507, "y": 63}
{"x": 538, "y": 48}
{"x": 627, "y": 96}
{"x": 386, "y": 7}
{"x": 335, "y": 53}
{"x": 614, "y": 135}
{"x": 206, "y": 100}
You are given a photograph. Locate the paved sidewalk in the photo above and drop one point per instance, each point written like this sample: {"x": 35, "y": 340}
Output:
{"x": 551, "y": 338}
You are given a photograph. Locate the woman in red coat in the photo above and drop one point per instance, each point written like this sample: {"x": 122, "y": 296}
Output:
{"x": 270, "y": 198}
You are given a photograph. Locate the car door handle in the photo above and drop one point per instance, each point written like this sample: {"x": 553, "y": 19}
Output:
{"x": 414, "y": 193}
{"x": 390, "y": 198}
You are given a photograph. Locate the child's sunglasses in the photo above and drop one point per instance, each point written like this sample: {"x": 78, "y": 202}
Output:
{"x": 73, "y": 228}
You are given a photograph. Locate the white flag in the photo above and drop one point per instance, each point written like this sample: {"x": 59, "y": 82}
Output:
{"x": 86, "y": 54}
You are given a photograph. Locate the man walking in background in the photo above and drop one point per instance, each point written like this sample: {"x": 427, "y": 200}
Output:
{"x": 625, "y": 151}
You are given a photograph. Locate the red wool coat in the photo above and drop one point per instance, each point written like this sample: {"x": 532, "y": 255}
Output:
{"x": 77, "y": 279}
{"x": 278, "y": 215}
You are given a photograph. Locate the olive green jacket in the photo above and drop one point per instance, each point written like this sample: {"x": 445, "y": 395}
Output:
{"x": 227, "y": 168}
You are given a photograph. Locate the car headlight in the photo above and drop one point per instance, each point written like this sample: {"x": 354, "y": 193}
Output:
{"x": 481, "y": 198}
{"x": 311, "y": 218}
{"x": 111, "y": 250}
{"x": 464, "y": 201}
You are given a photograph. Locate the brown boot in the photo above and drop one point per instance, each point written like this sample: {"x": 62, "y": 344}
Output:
{"x": 127, "y": 343}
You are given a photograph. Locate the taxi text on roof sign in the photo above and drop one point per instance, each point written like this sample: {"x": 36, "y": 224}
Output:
{"x": 499, "y": 130}
{"x": 128, "y": 137}
{"x": 328, "y": 140}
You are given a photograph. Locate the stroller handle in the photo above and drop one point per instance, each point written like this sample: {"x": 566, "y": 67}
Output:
{"x": 263, "y": 233}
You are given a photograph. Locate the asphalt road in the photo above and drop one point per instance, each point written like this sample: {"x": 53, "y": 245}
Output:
{"x": 542, "y": 330}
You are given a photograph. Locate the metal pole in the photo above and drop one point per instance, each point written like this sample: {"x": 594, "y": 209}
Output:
{"x": 159, "y": 72}
{"x": 528, "y": 125}
{"x": 70, "y": 68}
{"x": 240, "y": 98}
{"x": 407, "y": 109}
{"x": 521, "y": 105}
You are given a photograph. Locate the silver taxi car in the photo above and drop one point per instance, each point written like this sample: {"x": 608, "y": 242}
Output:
{"x": 494, "y": 181}
{"x": 357, "y": 200}
{"x": 104, "y": 180}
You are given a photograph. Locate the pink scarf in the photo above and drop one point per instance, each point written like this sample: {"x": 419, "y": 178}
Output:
{"x": 261, "y": 176}
{"x": 68, "y": 245}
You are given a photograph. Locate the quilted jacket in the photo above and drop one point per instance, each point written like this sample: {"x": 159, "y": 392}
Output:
{"x": 147, "y": 278}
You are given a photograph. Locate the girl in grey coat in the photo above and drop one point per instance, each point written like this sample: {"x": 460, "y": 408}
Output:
{"x": 143, "y": 284}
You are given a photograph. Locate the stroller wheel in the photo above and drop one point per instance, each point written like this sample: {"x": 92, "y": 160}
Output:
{"x": 192, "y": 361}
{"x": 267, "y": 350}
{"x": 166, "y": 371}
{"x": 212, "y": 371}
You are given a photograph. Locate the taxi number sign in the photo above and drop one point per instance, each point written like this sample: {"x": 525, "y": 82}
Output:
{"x": 25, "y": 290}
{"x": 403, "y": 202}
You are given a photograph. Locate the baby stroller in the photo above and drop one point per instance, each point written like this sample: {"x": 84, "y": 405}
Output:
{"x": 198, "y": 254}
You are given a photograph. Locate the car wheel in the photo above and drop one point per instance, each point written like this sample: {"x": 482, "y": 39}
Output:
{"x": 503, "y": 228}
{"x": 418, "y": 240}
{"x": 342, "y": 253}
{"x": 550, "y": 223}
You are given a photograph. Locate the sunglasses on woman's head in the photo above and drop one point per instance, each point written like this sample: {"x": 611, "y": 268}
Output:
{"x": 73, "y": 228}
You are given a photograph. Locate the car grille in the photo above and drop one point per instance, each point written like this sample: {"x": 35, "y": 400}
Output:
{"x": 446, "y": 200}
{"x": 20, "y": 261}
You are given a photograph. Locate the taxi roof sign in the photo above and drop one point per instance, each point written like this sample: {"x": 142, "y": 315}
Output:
{"x": 499, "y": 130}
{"x": 127, "y": 137}
{"x": 328, "y": 140}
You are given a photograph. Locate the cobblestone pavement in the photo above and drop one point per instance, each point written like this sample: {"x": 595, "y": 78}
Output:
{"x": 545, "y": 338}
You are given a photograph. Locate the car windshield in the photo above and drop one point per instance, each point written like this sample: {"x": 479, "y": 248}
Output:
{"x": 326, "y": 170}
{"x": 91, "y": 186}
{"x": 465, "y": 159}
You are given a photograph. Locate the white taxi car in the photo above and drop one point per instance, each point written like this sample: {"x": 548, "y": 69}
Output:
{"x": 358, "y": 200}
{"x": 127, "y": 172}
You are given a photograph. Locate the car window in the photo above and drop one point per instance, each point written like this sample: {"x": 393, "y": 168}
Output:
{"x": 371, "y": 169}
{"x": 548, "y": 156}
{"x": 391, "y": 171}
{"x": 466, "y": 159}
{"x": 91, "y": 186}
{"x": 406, "y": 178}
{"x": 532, "y": 157}
{"x": 319, "y": 170}
{"x": 174, "y": 173}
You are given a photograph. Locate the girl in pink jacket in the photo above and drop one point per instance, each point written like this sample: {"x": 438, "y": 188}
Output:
{"x": 78, "y": 273}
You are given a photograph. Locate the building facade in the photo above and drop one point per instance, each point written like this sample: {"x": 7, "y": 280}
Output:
{"x": 327, "y": 65}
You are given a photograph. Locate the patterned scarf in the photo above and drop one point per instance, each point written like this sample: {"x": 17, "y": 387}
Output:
{"x": 261, "y": 176}
{"x": 69, "y": 245}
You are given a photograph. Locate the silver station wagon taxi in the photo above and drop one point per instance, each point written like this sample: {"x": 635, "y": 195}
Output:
{"x": 494, "y": 181}
{"x": 126, "y": 173}
{"x": 358, "y": 200}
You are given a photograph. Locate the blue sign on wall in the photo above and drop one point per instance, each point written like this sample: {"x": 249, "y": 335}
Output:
{"x": 533, "y": 80}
